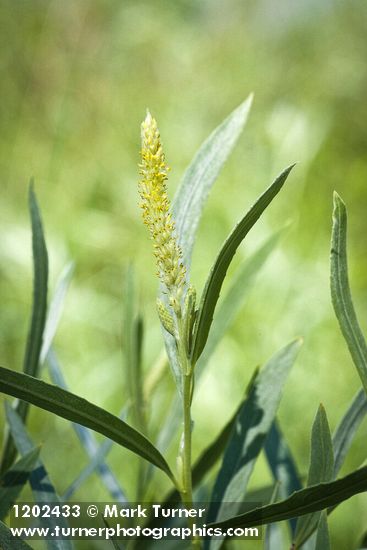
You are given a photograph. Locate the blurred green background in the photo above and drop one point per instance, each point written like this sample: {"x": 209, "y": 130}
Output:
{"x": 76, "y": 80}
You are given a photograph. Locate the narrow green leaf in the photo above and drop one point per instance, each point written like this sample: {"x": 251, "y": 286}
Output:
{"x": 192, "y": 194}
{"x": 322, "y": 538}
{"x": 321, "y": 470}
{"x": 249, "y": 432}
{"x": 55, "y": 309}
{"x": 14, "y": 479}
{"x": 282, "y": 464}
{"x": 342, "y": 440}
{"x": 43, "y": 490}
{"x": 218, "y": 272}
{"x": 38, "y": 317}
{"x": 345, "y": 432}
{"x": 8, "y": 542}
{"x": 340, "y": 291}
{"x": 85, "y": 436}
{"x": 309, "y": 500}
{"x": 201, "y": 174}
{"x": 273, "y": 533}
{"x": 39, "y": 307}
{"x": 75, "y": 408}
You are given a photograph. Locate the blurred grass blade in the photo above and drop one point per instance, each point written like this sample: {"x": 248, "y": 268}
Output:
{"x": 14, "y": 479}
{"x": 42, "y": 488}
{"x": 218, "y": 272}
{"x": 345, "y": 432}
{"x": 322, "y": 538}
{"x": 306, "y": 501}
{"x": 38, "y": 317}
{"x": 75, "y": 408}
{"x": 96, "y": 462}
{"x": 282, "y": 464}
{"x": 133, "y": 337}
{"x": 234, "y": 300}
{"x": 321, "y": 470}
{"x": 8, "y": 542}
{"x": 55, "y": 309}
{"x": 192, "y": 194}
{"x": 340, "y": 291}
{"x": 249, "y": 432}
{"x": 86, "y": 437}
{"x": 273, "y": 534}
{"x": 201, "y": 174}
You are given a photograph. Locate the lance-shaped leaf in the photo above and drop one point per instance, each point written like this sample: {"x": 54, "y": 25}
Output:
{"x": 274, "y": 537}
{"x": 249, "y": 432}
{"x": 309, "y": 500}
{"x": 42, "y": 488}
{"x": 75, "y": 408}
{"x": 322, "y": 538}
{"x": 218, "y": 272}
{"x": 14, "y": 479}
{"x": 38, "y": 316}
{"x": 342, "y": 440}
{"x": 9, "y": 542}
{"x": 321, "y": 469}
{"x": 201, "y": 174}
{"x": 282, "y": 464}
{"x": 345, "y": 432}
{"x": 192, "y": 194}
{"x": 340, "y": 291}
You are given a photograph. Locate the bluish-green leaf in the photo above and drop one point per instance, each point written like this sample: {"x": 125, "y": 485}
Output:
{"x": 309, "y": 500}
{"x": 8, "y": 542}
{"x": 42, "y": 488}
{"x": 191, "y": 197}
{"x": 340, "y": 291}
{"x": 249, "y": 433}
{"x": 321, "y": 470}
{"x": 75, "y": 408}
{"x": 273, "y": 533}
{"x": 55, "y": 309}
{"x": 38, "y": 317}
{"x": 202, "y": 173}
{"x": 14, "y": 479}
{"x": 85, "y": 436}
{"x": 345, "y": 432}
{"x": 322, "y": 538}
{"x": 218, "y": 272}
{"x": 282, "y": 464}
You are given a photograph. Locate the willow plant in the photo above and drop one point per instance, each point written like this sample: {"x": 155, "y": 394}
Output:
{"x": 178, "y": 314}
{"x": 191, "y": 332}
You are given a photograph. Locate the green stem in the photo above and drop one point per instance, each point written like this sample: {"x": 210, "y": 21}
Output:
{"x": 185, "y": 449}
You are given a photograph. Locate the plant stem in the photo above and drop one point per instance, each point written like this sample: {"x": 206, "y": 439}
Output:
{"x": 185, "y": 448}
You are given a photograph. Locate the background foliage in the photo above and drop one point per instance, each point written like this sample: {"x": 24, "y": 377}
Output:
{"x": 76, "y": 80}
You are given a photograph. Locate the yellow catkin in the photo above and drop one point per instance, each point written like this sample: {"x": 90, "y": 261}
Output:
{"x": 156, "y": 210}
